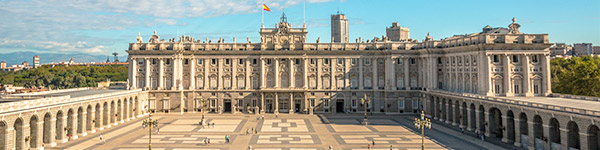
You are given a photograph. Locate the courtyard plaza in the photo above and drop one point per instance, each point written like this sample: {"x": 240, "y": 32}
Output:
{"x": 285, "y": 132}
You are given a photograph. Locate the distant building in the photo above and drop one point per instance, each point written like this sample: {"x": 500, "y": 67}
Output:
{"x": 36, "y": 61}
{"x": 397, "y": 33}
{"x": 561, "y": 50}
{"x": 581, "y": 49}
{"x": 3, "y": 65}
{"x": 25, "y": 64}
{"x": 339, "y": 28}
{"x": 71, "y": 61}
{"x": 596, "y": 50}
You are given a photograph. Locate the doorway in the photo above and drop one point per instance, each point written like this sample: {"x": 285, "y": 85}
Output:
{"x": 339, "y": 106}
{"x": 227, "y": 106}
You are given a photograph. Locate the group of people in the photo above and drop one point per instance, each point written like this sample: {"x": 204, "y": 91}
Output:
{"x": 208, "y": 125}
{"x": 251, "y": 131}
{"x": 372, "y": 144}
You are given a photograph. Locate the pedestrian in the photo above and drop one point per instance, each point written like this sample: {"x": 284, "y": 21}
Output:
{"x": 252, "y": 131}
{"x": 226, "y": 139}
{"x": 102, "y": 139}
{"x": 373, "y": 142}
{"x": 369, "y": 146}
{"x": 255, "y": 131}
{"x": 482, "y": 137}
{"x": 263, "y": 117}
{"x": 208, "y": 142}
{"x": 249, "y": 147}
{"x": 247, "y": 131}
{"x": 69, "y": 137}
{"x": 276, "y": 114}
{"x": 462, "y": 130}
{"x": 330, "y": 147}
{"x": 213, "y": 125}
{"x": 391, "y": 147}
{"x": 205, "y": 142}
{"x": 157, "y": 130}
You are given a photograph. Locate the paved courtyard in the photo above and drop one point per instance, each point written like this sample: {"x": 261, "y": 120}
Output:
{"x": 286, "y": 132}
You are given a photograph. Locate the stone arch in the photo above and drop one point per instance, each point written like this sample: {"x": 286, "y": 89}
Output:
{"x": 112, "y": 114}
{"x": 126, "y": 107}
{"x": 3, "y": 133}
{"x": 46, "y": 135}
{"x": 495, "y": 122}
{"x": 463, "y": 116}
{"x": 523, "y": 129}
{"x": 473, "y": 122}
{"x": 432, "y": 106}
{"x": 510, "y": 126}
{"x": 70, "y": 123}
{"x": 105, "y": 114}
{"x": 593, "y": 140}
{"x": 573, "y": 135}
{"x": 119, "y": 114}
{"x": 457, "y": 116}
{"x": 136, "y": 108}
{"x": 58, "y": 132}
{"x": 538, "y": 131}
{"x": 97, "y": 118}
{"x": 19, "y": 139}
{"x": 79, "y": 120}
{"x": 33, "y": 130}
{"x": 450, "y": 111}
{"x": 443, "y": 115}
{"x": 554, "y": 132}
{"x": 481, "y": 119}
{"x": 131, "y": 108}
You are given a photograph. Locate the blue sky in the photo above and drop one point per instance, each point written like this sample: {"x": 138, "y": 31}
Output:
{"x": 103, "y": 27}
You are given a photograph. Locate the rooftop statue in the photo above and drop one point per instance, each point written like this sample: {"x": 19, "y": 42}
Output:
{"x": 513, "y": 28}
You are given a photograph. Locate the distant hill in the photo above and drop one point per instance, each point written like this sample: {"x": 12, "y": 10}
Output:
{"x": 15, "y": 58}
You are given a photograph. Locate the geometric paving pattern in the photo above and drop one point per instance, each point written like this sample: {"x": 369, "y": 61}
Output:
{"x": 184, "y": 139}
{"x": 192, "y": 125}
{"x": 285, "y": 125}
{"x": 285, "y": 139}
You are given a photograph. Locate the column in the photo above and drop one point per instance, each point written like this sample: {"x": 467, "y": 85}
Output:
{"x": 291, "y": 110}
{"x": 233, "y": 79}
{"x": 83, "y": 124}
{"x": 547, "y": 84}
{"x": 174, "y": 76}
{"x": 332, "y": 79}
{"x": 319, "y": 72}
{"x": 517, "y": 129}
{"x": 347, "y": 63}
{"x": 487, "y": 124}
{"x": 461, "y": 115}
{"x": 469, "y": 119}
{"x": 361, "y": 84}
{"x": 389, "y": 73}
{"x": 192, "y": 63}
{"x": 505, "y": 120}
{"x": 375, "y": 78}
{"x": 477, "y": 121}
{"x": 40, "y": 133}
{"x": 526, "y": 74}
{"x": 434, "y": 109}
{"x": 206, "y": 82}
{"x": 564, "y": 138}
{"x": 63, "y": 137}
{"x": 263, "y": 77}
{"x": 488, "y": 79}
{"x": 276, "y": 103}
{"x": 507, "y": 72}
{"x": 161, "y": 73}
{"x": 262, "y": 102}
{"x": 405, "y": 62}
{"x": 305, "y": 73}
{"x": 147, "y": 73}
{"x": 52, "y": 134}
{"x": 220, "y": 74}
{"x": 448, "y": 112}
{"x": 132, "y": 73}
{"x": 292, "y": 80}
{"x": 248, "y": 73}
{"x": 277, "y": 73}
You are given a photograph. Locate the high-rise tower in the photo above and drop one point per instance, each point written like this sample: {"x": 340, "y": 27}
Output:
{"x": 339, "y": 28}
{"x": 36, "y": 61}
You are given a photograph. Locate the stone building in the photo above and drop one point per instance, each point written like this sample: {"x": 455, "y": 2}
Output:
{"x": 285, "y": 73}
{"x": 582, "y": 49}
{"x": 397, "y": 33}
{"x": 561, "y": 50}
{"x": 339, "y": 28}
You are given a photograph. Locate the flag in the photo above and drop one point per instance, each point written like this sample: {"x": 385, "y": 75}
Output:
{"x": 266, "y": 8}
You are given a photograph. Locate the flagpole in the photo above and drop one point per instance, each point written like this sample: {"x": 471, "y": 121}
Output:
{"x": 262, "y": 16}
{"x": 304, "y": 13}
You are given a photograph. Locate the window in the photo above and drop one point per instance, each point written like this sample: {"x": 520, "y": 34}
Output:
{"x": 227, "y": 61}
{"x": 401, "y": 104}
{"x": 354, "y": 60}
{"x": 496, "y": 59}
{"x": 415, "y": 104}
{"x": 413, "y": 61}
{"x": 353, "y": 103}
{"x": 140, "y": 61}
{"x": 497, "y": 89}
{"x": 380, "y": 61}
{"x": 326, "y": 61}
{"x": 367, "y": 61}
{"x": 474, "y": 59}
{"x": 340, "y": 61}
{"x": 439, "y": 60}
{"x": 517, "y": 89}
{"x": 240, "y": 103}
{"x": 515, "y": 58}
{"x": 214, "y": 61}
{"x": 534, "y": 58}
{"x": 168, "y": 61}
{"x": 536, "y": 89}
{"x": 297, "y": 61}
{"x": 186, "y": 61}
{"x": 213, "y": 103}
{"x": 326, "y": 102}
{"x": 241, "y": 61}
{"x": 199, "y": 61}
{"x": 154, "y": 61}
{"x": 254, "y": 102}
{"x": 312, "y": 61}
{"x": 254, "y": 61}
{"x": 312, "y": 102}
{"x": 398, "y": 61}
{"x": 268, "y": 61}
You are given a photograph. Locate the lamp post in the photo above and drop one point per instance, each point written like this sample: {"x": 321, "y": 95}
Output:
{"x": 202, "y": 103}
{"x": 150, "y": 123}
{"x": 365, "y": 101}
{"x": 422, "y": 124}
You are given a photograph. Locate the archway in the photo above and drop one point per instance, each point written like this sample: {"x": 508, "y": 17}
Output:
{"x": 59, "y": 134}
{"x": 97, "y": 120}
{"x": 457, "y": 114}
{"x": 465, "y": 118}
{"x": 495, "y": 123}
{"x": 538, "y": 132}
{"x": 443, "y": 114}
{"x": 112, "y": 112}
{"x": 80, "y": 120}
{"x": 523, "y": 130}
{"x": 70, "y": 123}
{"x": 3, "y": 132}
{"x": 473, "y": 122}
{"x": 105, "y": 114}
{"x": 510, "y": 126}
{"x": 432, "y": 107}
{"x": 33, "y": 130}
{"x": 573, "y": 135}
{"x": 481, "y": 119}
{"x": 46, "y": 137}
{"x": 119, "y": 114}
{"x": 450, "y": 111}
{"x": 19, "y": 140}
{"x": 126, "y": 108}
{"x": 593, "y": 140}
{"x": 554, "y": 133}
{"x": 137, "y": 106}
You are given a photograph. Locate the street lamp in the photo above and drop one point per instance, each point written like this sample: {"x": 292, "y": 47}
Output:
{"x": 202, "y": 103}
{"x": 365, "y": 101}
{"x": 422, "y": 124}
{"x": 150, "y": 123}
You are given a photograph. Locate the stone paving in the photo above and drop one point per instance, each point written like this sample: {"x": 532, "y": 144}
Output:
{"x": 286, "y": 132}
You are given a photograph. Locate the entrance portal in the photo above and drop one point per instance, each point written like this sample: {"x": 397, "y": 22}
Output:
{"x": 297, "y": 108}
{"x": 339, "y": 106}
{"x": 227, "y": 106}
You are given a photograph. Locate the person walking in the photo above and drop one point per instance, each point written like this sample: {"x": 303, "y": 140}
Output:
{"x": 205, "y": 142}
{"x": 102, "y": 139}
{"x": 373, "y": 142}
{"x": 208, "y": 141}
{"x": 369, "y": 146}
{"x": 391, "y": 147}
{"x": 157, "y": 130}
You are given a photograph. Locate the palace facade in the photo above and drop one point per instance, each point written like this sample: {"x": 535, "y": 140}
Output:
{"x": 285, "y": 73}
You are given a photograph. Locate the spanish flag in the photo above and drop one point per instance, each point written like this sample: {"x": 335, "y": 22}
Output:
{"x": 266, "y": 8}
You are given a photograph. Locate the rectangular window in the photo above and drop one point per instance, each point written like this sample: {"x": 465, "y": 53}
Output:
{"x": 496, "y": 59}
{"x": 312, "y": 102}
{"x": 154, "y": 61}
{"x": 517, "y": 89}
{"x": 353, "y": 103}
{"x": 168, "y": 61}
{"x": 415, "y": 104}
{"x": 312, "y": 61}
{"x": 515, "y": 58}
{"x": 413, "y": 61}
{"x": 214, "y": 61}
{"x": 398, "y": 61}
{"x": 354, "y": 61}
{"x": 186, "y": 61}
{"x": 297, "y": 61}
{"x": 140, "y": 61}
{"x": 536, "y": 89}
{"x": 474, "y": 59}
{"x": 380, "y": 61}
{"x": 326, "y": 61}
{"x": 254, "y": 61}
{"x": 268, "y": 61}
{"x": 227, "y": 61}
{"x": 401, "y": 104}
{"x": 439, "y": 59}
{"x": 241, "y": 61}
{"x": 254, "y": 102}
{"x": 368, "y": 61}
{"x": 199, "y": 61}
{"x": 340, "y": 61}
{"x": 497, "y": 89}
{"x": 213, "y": 103}
{"x": 534, "y": 58}
{"x": 326, "y": 102}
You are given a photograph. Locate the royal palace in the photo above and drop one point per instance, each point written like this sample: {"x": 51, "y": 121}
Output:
{"x": 284, "y": 73}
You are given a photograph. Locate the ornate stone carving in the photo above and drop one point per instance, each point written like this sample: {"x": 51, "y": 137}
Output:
{"x": 513, "y": 28}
